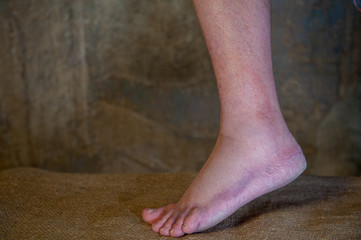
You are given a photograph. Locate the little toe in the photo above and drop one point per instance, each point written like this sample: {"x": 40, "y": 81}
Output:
{"x": 191, "y": 222}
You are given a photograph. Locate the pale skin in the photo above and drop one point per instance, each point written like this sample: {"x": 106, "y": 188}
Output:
{"x": 255, "y": 153}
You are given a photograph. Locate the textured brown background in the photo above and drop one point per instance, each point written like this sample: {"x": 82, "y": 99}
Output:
{"x": 127, "y": 86}
{"x": 36, "y": 204}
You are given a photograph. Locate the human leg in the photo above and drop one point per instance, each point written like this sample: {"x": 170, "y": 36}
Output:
{"x": 255, "y": 153}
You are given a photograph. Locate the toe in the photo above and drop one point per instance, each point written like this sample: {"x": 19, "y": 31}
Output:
{"x": 191, "y": 222}
{"x": 150, "y": 215}
{"x": 176, "y": 230}
{"x": 160, "y": 222}
{"x": 168, "y": 225}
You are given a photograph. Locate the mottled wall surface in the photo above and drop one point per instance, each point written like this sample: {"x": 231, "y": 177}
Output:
{"x": 128, "y": 86}
{"x": 317, "y": 62}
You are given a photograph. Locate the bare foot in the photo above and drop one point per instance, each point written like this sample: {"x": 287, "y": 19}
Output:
{"x": 255, "y": 153}
{"x": 241, "y": 168}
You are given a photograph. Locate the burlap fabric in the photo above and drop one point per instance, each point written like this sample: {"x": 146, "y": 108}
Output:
{"x": 36, "y": 204}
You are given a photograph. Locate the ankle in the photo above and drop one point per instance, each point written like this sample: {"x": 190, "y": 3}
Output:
{"x": 255, "y": 124}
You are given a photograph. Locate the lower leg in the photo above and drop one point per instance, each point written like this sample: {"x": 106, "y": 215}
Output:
{"x": 255, "y": 153}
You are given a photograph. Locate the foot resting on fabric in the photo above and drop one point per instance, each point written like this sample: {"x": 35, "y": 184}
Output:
{"x": 255, "y": 153}
{"x": 240, "y": 169}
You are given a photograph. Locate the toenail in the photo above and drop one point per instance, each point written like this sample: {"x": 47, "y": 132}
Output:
{"x": 184, "y": 226}
{"x": 151, "y": 210}
{"x": 172, "y": 230}
{"x": 160, "y": 230}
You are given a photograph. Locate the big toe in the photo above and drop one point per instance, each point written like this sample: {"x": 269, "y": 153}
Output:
{"x": 151, "y": 215}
